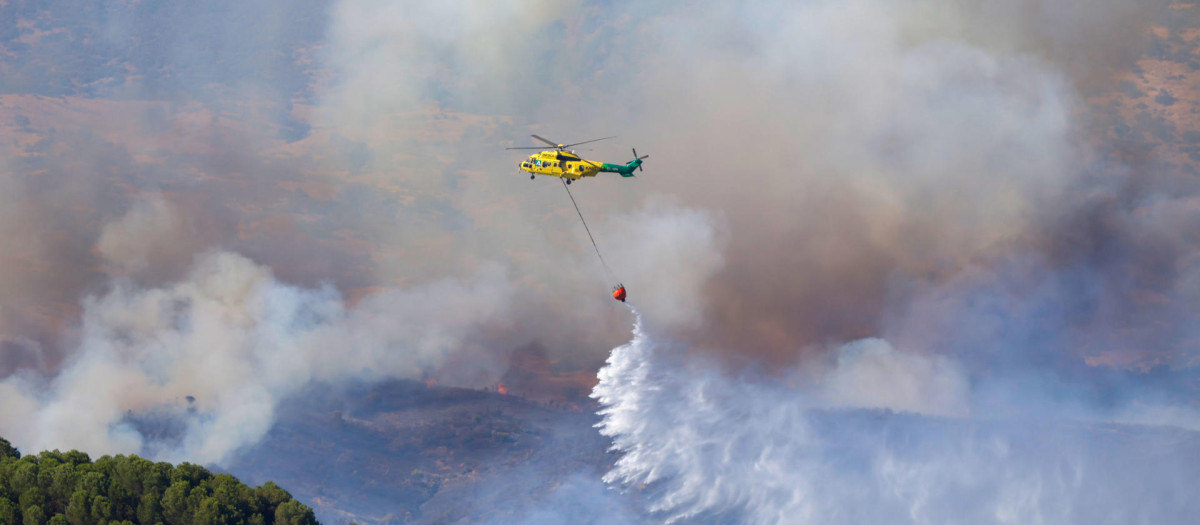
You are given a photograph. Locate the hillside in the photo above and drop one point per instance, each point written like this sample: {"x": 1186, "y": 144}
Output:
{"x": 405, "y": 452}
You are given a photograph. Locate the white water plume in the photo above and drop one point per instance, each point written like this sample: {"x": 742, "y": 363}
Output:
{"x": 709, "y": 445}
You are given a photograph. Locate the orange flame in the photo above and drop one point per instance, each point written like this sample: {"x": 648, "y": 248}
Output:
{"x": 430, "y": 382}
{"x": 501, "y": 388}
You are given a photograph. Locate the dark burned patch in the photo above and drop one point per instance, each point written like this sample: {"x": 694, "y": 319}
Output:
{"x": 402, "y": 452}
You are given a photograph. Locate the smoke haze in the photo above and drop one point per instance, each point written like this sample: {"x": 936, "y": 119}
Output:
{"x": 974, "y": 213}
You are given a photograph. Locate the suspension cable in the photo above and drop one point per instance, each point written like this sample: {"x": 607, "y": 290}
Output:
{"x": 607, "y": 270}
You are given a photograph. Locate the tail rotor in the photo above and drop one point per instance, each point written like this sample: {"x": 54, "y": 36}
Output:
{"x": 636, "y": 157}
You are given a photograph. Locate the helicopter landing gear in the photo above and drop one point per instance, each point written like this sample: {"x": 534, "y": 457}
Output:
{"x": 531, "y": 177}
{"x": 568, "y": 181}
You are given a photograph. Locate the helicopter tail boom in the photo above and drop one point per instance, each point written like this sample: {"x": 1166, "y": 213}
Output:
{"x": 625, "y": 170}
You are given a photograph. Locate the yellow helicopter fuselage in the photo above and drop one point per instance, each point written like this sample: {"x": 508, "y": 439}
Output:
{"x": 567, "y": 165}
{"x": 559, "y": 164}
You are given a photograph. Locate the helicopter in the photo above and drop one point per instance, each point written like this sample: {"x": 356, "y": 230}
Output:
{"x": 563, "y": 163}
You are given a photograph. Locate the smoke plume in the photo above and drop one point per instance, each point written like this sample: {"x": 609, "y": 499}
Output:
{"x": 213, "y": 355}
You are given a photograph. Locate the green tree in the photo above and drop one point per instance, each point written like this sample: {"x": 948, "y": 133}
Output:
{"x": 77, "y": 510}
{"x": 209, "y": 512}
{"x": 129, "y": 474}
{"x": 63, "y": 479}
{"x": 33, "y": 497}
{"x": 45, "y": 476}
{"x": 76, "y": 457}
{"x": 102, "y": 509}
{"x": 175, "y": 504}
{"x": 229, "y": 491}
{"x": 50, "y": 457}
{"x": 293, "y": 512}
{"x": 24, "y": 475}
{"x": 157, "y": 475}
{"x": 193, "y": 474}
{"x": 34, "y": 516}
{"x": 272, "y": 494}
{"x": 8, "y": 511}
{"x": 94, "y": 483}
{"x": 8, "y": 451}
{"x": 68, "y": 488}
{"x": 149, "y": 509}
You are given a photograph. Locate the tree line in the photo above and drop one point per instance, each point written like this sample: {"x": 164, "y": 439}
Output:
{"x": 61, "y": 488}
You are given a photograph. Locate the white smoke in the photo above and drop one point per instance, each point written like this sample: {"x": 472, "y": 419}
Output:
{"x": 870, "y": 373}
{"x": 397, "y": 57}
{"x": 127, "y": 244}
{"x": 667, "y": 253}
{"x": 194, "y": 369}
{"x": 218, "y": 350}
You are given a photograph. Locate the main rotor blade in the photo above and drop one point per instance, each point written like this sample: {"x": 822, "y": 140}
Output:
{"x": 588, "y": 141}
{"x": 543, "y": 139}
{"x": 530, "y": 147}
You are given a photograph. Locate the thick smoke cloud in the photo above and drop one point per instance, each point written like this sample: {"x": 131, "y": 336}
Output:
{"x": 187, "y": 361}
{"x": 862, "y": 157}
{"x": 216, "y": 352}
{"x": 194, "y": 156}
{"x": 864, "y": 154}
{"x": 193, "y": 369}
{"x": 881, "y": 154}
{"x": 934, "y": 179}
